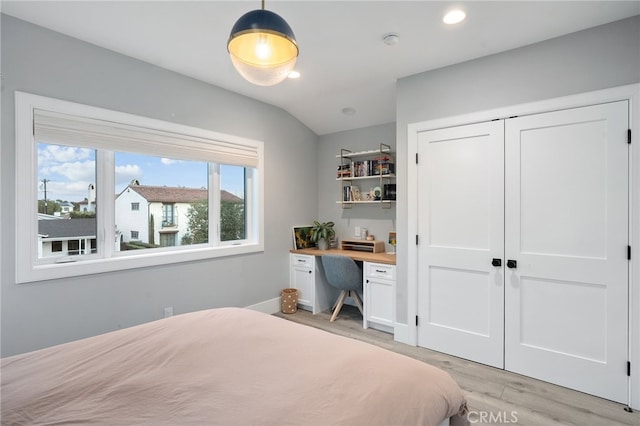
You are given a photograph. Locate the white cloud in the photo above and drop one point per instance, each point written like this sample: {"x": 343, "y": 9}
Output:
{"x": 76, "y": 171}
{"x": 169, "y": 161}
{"x": 128, "y": 172}
{"x": 49, "y": 155}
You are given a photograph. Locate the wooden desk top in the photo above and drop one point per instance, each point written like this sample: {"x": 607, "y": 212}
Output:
{"x": 387, "y": 258}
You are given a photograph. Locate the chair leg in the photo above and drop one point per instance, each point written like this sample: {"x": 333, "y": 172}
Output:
{"x": 356, "y": 298}
{"x": 336, "y": 310}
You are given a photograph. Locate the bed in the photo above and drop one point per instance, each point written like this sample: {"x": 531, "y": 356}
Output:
{"x": 227, "y": 366}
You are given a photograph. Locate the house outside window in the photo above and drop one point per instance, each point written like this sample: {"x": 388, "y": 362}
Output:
{"x": 134, "y": 235}
{"x": 219, "y": 211}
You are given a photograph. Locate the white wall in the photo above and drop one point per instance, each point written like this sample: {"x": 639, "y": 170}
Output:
{"x": 128, "y": 220}
{"x": 597, "y": 58}
{"x": 41, "y": 314}
{"x": 377, "y": 220}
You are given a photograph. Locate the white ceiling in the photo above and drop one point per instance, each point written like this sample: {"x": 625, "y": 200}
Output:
{"x": 342, "y": 58}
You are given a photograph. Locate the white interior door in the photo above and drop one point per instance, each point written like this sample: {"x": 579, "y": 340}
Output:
{"x": 461, "y": 229}
{"x": 566, "y": 300}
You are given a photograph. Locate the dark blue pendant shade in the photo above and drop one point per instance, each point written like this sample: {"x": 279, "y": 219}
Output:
{"x": 262, "y": 19}
{"x": 262, "y": 47}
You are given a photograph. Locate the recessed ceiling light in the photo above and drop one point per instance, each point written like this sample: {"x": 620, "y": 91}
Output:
{"x": 349, "y": 111}
{"x": 294, "y": 74}
{"x": 454, "y": 16}
{"x": 390, "y": 39}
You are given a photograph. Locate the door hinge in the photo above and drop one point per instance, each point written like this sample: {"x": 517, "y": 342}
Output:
{"x": 416, "y": 320}
{"x": 628, "y": 368}
{"x": 629, "y": 136}
{"x": 628, "y": 252}
{"x": 416, "y": 158}
{"x": 416, "y": 239}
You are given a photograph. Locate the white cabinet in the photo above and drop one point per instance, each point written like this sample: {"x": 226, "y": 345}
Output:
{"x": 301, "y": 278}
{"x": 379, "y": 296}
{"x": 307, "y": 276}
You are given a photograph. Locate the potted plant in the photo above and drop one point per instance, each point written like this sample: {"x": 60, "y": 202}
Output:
{"x": 321, "y": 233}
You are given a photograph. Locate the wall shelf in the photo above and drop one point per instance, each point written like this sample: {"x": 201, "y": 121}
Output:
{"x": 377, "y": 167}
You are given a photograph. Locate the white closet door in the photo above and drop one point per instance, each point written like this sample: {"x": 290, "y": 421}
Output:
{"x": 567, "y": 227}
{"x": 461, "y": 228}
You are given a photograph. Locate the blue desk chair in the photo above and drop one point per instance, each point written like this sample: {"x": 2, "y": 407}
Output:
{"x": 343, "y": 273}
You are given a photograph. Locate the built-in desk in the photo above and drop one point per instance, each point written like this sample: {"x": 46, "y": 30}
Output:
{"x": 379, "y": 279}
{"x": 386, "y": 258}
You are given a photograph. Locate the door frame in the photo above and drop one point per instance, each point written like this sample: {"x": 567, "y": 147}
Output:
{"x": 630, "y": 93}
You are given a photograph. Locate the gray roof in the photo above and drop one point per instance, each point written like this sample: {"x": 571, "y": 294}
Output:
{"x": 85, "y": 227}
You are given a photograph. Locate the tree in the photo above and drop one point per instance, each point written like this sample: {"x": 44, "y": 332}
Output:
{"x": 81, "y": 215}
{"x": 152, "y": 230}
{"x": 231, "y": 221}
{"x": 52, "y": 206}
{"x": 198, "y": 223}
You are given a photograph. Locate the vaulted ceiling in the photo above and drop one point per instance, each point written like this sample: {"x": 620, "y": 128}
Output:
{"x": 343, "y": 61}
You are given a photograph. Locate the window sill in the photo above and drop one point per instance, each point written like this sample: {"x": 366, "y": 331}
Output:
{"x": 148, "y": 258}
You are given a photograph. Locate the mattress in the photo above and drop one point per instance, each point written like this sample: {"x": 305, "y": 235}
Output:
{"x": 227, "y": 366}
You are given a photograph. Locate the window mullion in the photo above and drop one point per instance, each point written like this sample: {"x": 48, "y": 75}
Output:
{"x": 105, "y": 209}
{"x": 214, "y": 204}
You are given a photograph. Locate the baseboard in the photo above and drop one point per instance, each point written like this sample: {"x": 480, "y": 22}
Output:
{"x": 270, "y": 306}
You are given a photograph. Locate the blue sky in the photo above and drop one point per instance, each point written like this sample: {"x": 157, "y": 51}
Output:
{"x": 69, "y": 171}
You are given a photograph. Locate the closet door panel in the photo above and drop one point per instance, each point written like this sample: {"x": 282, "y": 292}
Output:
{"x": 461, "y": 225}
{"x": 566, "y": 225}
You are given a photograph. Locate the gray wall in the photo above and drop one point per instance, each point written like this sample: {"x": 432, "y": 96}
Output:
{"x": 43, "y": 62}
{"x": 377, "y": 220}
{"x": 593, "y": 59}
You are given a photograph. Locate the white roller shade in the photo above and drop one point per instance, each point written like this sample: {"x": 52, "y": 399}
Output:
{"x": 64, "y": 129}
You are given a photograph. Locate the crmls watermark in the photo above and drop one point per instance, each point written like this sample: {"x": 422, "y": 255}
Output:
{"x": 500, "y": 417}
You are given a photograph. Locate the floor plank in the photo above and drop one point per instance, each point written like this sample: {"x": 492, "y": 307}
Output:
{"x": 495, "y": 396}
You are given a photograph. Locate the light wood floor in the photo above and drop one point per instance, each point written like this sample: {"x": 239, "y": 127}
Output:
{"x": 496, "y": 392}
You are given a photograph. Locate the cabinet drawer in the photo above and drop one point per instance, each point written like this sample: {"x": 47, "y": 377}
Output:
{"x": 301, "y": 260}
{"x": 380, "y": 270}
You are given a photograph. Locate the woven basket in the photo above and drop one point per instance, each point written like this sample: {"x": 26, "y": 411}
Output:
{"x": 289, "y": 300}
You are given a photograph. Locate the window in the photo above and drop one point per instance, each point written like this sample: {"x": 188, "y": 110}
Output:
{"x": 56, "y": 246}
{"x": 182, "y": 193}
{"x": 168, "y": 218}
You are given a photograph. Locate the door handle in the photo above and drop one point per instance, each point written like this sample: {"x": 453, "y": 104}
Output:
{"x": 512, "y": 264}
{"x": 496, "y": 262}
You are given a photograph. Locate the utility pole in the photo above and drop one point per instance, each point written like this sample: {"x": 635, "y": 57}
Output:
{"x": 44, "y": 182}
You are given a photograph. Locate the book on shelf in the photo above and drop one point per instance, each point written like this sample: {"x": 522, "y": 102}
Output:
{"x": 351, "y": 193}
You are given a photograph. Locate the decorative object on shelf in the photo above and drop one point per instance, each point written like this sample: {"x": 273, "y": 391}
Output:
{"x": 302, "y": 237}
{"x": 364, "y": 232}
{"x": 389, "y": 192}
{"x": 371, "y": 237}
{"x": 375, "y": 193}
{"x": 321, "y": 233}
{"x": 392, "y": 241}
{"x": 262, "y": 47}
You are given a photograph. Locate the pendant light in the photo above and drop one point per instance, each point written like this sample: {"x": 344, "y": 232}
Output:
{"x": 262, "y": 47}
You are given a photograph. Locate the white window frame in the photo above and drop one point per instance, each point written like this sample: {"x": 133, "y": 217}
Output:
{"x": 29, "y": 268}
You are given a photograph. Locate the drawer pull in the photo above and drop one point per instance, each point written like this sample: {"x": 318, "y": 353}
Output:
{"x": 381, "y": 272}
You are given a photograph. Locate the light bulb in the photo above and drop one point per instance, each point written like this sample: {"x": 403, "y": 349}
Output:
{"x": 263, "y": 50}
